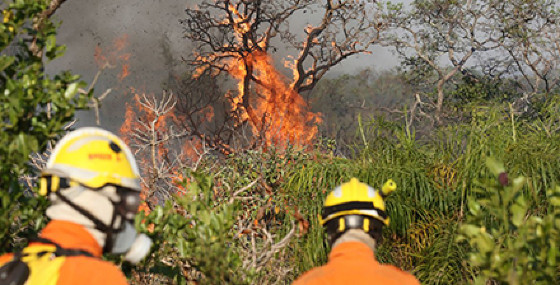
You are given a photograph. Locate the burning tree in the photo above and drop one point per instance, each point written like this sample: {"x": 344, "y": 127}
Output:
{"x": 223, "y": 200}
{"x": 237, "y": 38}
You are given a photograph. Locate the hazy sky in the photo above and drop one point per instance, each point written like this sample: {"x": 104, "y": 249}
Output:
{"x": 154, "y": 44}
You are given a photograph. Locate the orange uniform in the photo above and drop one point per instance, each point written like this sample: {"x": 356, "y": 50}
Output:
{"x": 354, "y": 263}
{"x": 79, "y": 269}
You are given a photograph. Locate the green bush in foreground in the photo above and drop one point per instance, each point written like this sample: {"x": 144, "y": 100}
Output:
{"x": 510, "y": 242}
{"x": 216, "y": 233}
{"x": 34, "y": 109}
{"x": 193, "y": 239}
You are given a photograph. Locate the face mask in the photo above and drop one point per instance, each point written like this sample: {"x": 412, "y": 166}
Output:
{"x": 117, "y": 224}
{"x": 135, "y": 246}
{"x": 127, "y": 241}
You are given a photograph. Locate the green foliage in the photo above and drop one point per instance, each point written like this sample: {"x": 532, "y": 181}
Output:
{"x": 230, "y": 202}
{"x": 474, "y": 90}
{"x": 445, "y": 191}
{"x": 34, "y": 108}
{"x": 435, "y": 175}
{"x": 416, "y": 71}
{"x": 270, "y": 165}
{"x": 342, "y": 99}
{"x": 511, "y": 241}
{"x": 196, "y": 232}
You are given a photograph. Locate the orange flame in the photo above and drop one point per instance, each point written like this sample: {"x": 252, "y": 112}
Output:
{"x": 157, "y": 125}
{"x": 120, "y": 43}
{"x": 285, "y": 116}
{"x": 124, "y": 73}
{"x": 114, "y": 56}
{"x": 276, "y": 112}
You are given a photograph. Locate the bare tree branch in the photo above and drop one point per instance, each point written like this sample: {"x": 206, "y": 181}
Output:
{"x": 235, "y": 37}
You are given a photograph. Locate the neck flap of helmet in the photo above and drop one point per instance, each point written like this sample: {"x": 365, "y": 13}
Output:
{"x": 124, "y": 210}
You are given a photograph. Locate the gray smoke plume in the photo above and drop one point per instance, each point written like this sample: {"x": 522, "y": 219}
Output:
{"x": 154, "y": 42}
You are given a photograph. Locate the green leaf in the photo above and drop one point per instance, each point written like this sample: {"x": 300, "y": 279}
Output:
{"x": 485, "y": 242}
{"x": 71, "y": 90}
{"x": 50, "y": 46}
{"x": 518, "y": 214}
{"x": 6, "y": 61}
{"x": 158, "y": 213}
{"x": 474, "y": 206}
{"x": 554, "y": 201}
{"x": 494, "y": 166}
{"x": 470, "y": 230}
{"x": 182, "y": 246}
{"x": 518, "y": 183}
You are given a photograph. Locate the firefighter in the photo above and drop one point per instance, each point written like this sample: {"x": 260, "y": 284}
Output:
{"x": 93, "y": 184}
{"x": 354, "y": 215}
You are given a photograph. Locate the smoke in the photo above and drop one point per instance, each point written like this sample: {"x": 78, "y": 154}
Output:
{"x": 154, "y": 42}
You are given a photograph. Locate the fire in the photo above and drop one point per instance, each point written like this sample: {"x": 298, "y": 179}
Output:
{"x": 282, "y": 115}
{"x": 274, "y": 109}
{"x": 278, "y": 115}
{"x": 146, "y": 128}
{"x": 124, "y": 73}
{"x": 115, "y": 55}
{"x": 181, "y": 183}
{"x": 120, "y": 43}
{"x": 140, "y": 116}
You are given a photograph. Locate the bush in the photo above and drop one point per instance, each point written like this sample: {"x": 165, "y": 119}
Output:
{"x": 193, "y": 238}
{"x": 34, "y": 109}
{"x": 249, "y": 202}
{"x": 229, "y": 227}
{"x": 511, "y": 241}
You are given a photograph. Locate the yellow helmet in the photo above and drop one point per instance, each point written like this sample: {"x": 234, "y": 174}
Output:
{"x": 93, "y": 158}
{"x": 356, "y": 205}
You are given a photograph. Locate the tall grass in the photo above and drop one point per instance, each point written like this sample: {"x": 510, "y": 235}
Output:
{"x": 434, "y": 174}
{"x": 434, "y": 177}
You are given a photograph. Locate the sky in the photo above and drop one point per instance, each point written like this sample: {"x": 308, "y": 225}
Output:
{"x": 154, "y": 48}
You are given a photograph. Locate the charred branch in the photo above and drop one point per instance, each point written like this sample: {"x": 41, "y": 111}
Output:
{"x": 235, "y": 37}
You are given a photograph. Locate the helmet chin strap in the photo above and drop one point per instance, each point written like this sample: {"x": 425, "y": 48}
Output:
{"x": 109, "y": 230}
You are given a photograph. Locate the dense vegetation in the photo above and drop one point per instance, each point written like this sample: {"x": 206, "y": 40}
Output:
{"x": 34, "y": 109}
{"x": 448, "y": 186}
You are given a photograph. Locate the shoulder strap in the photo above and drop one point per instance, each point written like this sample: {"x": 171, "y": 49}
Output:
{"x": 60, "y": 251}
{"x": 17, "y": 271}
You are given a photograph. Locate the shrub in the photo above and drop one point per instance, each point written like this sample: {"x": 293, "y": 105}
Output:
{"x": 34, "y": 109}
{"x": 511, "y": 241}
